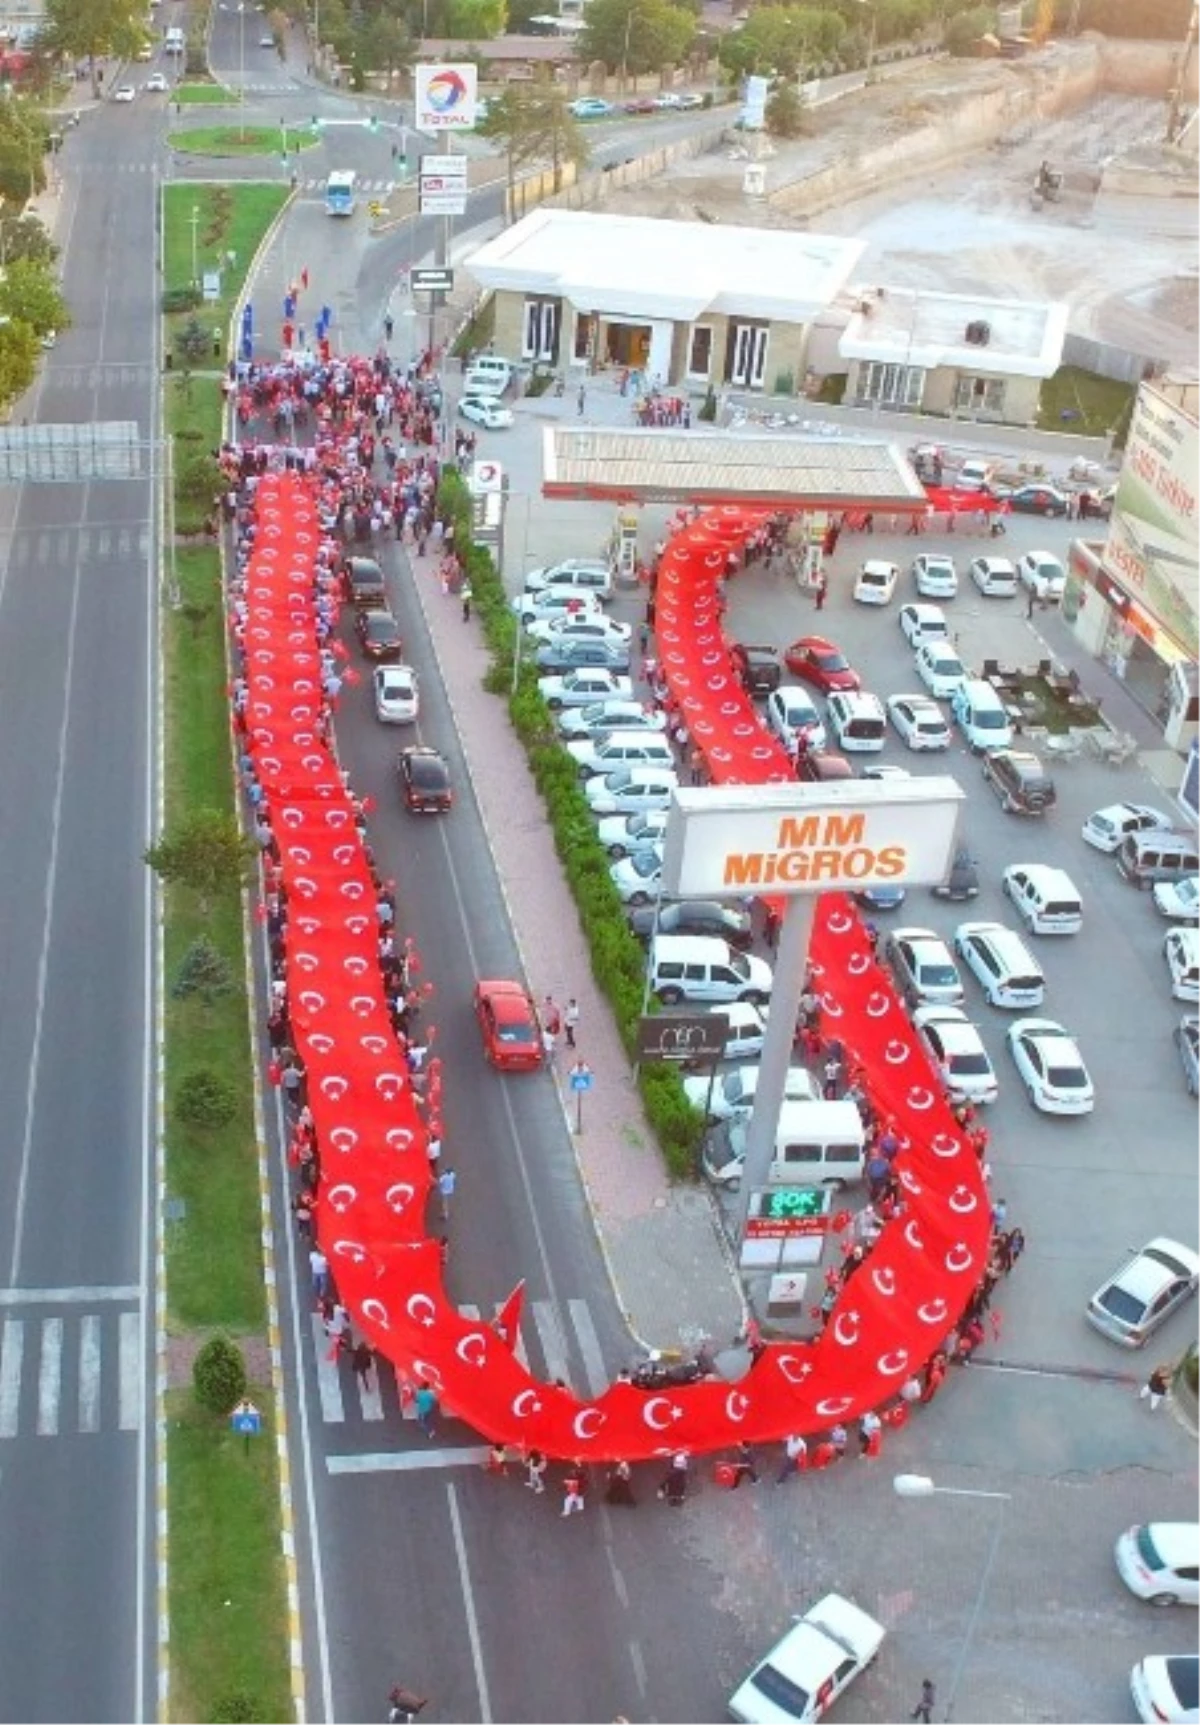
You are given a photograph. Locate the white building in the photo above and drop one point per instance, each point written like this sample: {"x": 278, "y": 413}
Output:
{"x": 682, "y": 303}
{"x": 955, "y": 354}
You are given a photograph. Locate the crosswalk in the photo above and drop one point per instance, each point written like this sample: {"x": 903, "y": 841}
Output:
{"x": 49, "y": 548}
{"x": 557, "y": 1343}
{"x": 78, "y": 1373}
{"x": 110, "y": 375}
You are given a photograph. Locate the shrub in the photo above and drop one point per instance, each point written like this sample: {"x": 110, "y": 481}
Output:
{"x": 181, "y": 299}
{"x": 235, "y": 1707}
{"x": 205, "y": 970}
{"x": 219, "y": 1375}
{"x": 708, "y": 408}
{"x": 205, "y": 1099}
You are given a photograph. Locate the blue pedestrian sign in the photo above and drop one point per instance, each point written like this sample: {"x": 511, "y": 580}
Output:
{"x": 580, "y": 1079}
{"x": 246, "y": 1421}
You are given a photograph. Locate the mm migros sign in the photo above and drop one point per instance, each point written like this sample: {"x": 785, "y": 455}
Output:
{"x": 737, "y": 839}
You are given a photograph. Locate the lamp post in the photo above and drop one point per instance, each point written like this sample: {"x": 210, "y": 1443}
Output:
{"x": 920, "y": 1485}
{"x": 194, "y": 219}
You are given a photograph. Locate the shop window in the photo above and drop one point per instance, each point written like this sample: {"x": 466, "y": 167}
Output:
{"x": 979, "y": 394}
{"x": 540, "y": 334}
{"x": 700, "y": 351}
{"x": 746, "y": 354}
{"x": 886, "y": 385}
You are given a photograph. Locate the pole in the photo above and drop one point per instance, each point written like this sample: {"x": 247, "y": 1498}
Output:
{"x": 242, "y": 67}
{"x": 578, "y": 1112}
{"x": 977, "y": 1608}
{"x": 195, "y": 225}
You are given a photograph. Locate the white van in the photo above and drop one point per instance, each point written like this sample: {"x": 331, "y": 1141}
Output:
{"x": 1046, "y": 897}
{"x": 701, "y": 967}
{"x": 488, "y": 375}
{"x": 816, "y": 1144}
{"x": 980, "y": 716}
{"x": 173, "y": 41}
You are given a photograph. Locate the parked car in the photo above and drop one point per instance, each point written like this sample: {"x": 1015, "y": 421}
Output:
{"x": 639, "y": 105}
{"x": 591, "y": 108}
{"x": 822, "y": 766}
{"x": 1178, "y": 899}
{"x": 1187, "y": 1041}
{"x": 963, "y": 880}
{"x": 810, "y": 1665}
{"x": 397, "y": 695}
{"x": 567, "y": 655}
{"x": 623, "y": 835}
{"x": 918, "y": 721}
{"x": 981, "y": 716}
{"x": 638, "y": 877}
{"x": 857, "y": 720}
{"x": 1151, "y": 1284}
{"x": 1181, "y": 949}
{"x": 508, "y": 1024}
{"x": 876, "y": 582}
{"x": 817, "y": 661}
{"x": 1001, "y": 963}
{"x": 486, "y": 412}
{"x": 1020, "y": 781}
{"x": 696, "y": 916}
{"x": 1036, "y": 500}
{"x": 1165, "y": 1688}
{"x": 587, "y": 574}
{"x": 1050, "y": 1067}
{"x": 1160, "y": 1562}
{"x": 630, "y": 790}
{"x": 734, "y": 1090}
{"x": 555, "y": 602}
{"x": 956, "y": 1049}
{"x": 1041, "y": 573}
{"x": 974, "y": 474}
{"x": 995, "y": 577}
{"x": 924, "y": 970}
{"x": 610, "y": 716}
{"x": 578, "y": 626}
{"x": 1108, "y": 828}
{"x": 584, "y": 687}
{"x": 1046, "y": 898}
{"x": 758, "y": 668}
{"x": 939, "y": 668}
{"x": 791, "y": 713}
{"x": 935, "y": 576}
{"x": 923, "y": 623}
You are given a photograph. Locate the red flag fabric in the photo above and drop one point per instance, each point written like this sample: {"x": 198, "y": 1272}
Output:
{"x": 507, "y": 1322}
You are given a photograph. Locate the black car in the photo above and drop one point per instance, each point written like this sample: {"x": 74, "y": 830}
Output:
{"x": 379, "y": 634}
{"x": 1020, "y": 781}
{"x": 425, "y": 781}
{"x": 758, "y": 668}
{"x": 963, "y": 880}
{"x": 561, "y": 656}
{"x": 694, "y": 916}
{"x": 362, "y": 581}
{"x": 1036, "y": 500}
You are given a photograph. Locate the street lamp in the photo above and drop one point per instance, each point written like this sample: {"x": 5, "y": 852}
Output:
{"x": 920, "y": 1485}
{"x": 194, "y": 218}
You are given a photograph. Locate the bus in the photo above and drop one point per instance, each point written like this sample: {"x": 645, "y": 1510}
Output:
{"x": 340, "y": 196}
{"x": 173, "y": 41}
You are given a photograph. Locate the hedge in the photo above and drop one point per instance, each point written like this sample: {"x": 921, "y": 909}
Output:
{"x": 618, "y": 962}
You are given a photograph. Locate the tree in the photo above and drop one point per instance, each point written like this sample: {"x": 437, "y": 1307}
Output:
{"x": 205, "y": 851}
{"x": 637, "y": 35}
{"x": 25, "y": 237}
{"x": 205, "y": 970}
{"x": 19, "y": 352}
{"x": 785, "y": 110}
{"x": 29, "y": 294}
{"x": 392, "y": 48}
{"x": 191, "y": 347}
{"x": 89, "y": 29}
{"x": 784, "y": 40}
{"x": 219, "y": 1376}
{"x": 963, "y": 33}
{"x": 535, "y": 124}
{"x": 475, "y": 20}
{"x": 24, "y": 140}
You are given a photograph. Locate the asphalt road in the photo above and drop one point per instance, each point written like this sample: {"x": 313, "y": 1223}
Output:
{"x": 77, "y": 607}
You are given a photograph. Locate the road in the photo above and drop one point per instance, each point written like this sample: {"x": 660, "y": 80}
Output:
{"x": 77, "y": 634}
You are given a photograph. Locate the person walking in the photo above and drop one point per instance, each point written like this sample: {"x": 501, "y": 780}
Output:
{"x": 870, "y": 1435}
{"x": 549, "y": 1044}
{"x": 550, "y": 1015}
{"x": 795, "y": 1458}
{"x": 403, "y": 1705}
{"x": 573, "y": 1489}
{"x": 447, "y": 1181}
{"x": 466, "y": 596}
{"x": 831, "y": 1073}
{"x": 821, "y": 590}
{"x": 924, "y": 1707}
{"x": 571, "y": 1021}
{"x": 362, "y": 1359}
{"x": 619, "y": 1488}
{"x": 581, "y": 400}
{"x": 743, "y": 1466}
{"x": 1031, "y": 603}
{"x": 426, "y": 1406}
{"x": 388, "y": 327}
{"x": 1156, "y": 1387}
{"x": 673, "y": 1489}
{"x": 535, "y": 1471}
{"x": 318, "y": 1265}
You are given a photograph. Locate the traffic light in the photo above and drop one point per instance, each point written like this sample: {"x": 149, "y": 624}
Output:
{"x": 372, "y": 122}
{"x": 315, "y": 123}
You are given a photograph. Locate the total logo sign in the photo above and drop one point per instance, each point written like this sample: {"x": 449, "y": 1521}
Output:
{"x": 446, "y": 97}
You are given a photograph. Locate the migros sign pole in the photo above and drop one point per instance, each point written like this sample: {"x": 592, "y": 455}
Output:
{"x": 795, "y": 841}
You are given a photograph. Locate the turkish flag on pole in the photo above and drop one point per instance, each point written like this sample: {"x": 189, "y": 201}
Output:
{"x": 507, "y": 1321}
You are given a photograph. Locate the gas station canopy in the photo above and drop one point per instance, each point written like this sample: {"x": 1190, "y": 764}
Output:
{"x": 656, "y": 466}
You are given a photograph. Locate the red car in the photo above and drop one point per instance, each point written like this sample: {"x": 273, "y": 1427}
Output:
{"x": 512, "y": 1036}
{"x": 819, "y": 662}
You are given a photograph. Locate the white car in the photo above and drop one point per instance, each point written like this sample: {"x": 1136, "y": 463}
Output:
{"x": 995, "y": 577}
{"x": 156, "y": 83}
{"x": 936, "y": 577}
{"x": 975, "y": 474}
{"x": 591, "y": 573}
{"x": 1043, "y": 574}
{"x": 1107, "y": 829}
{"x": 605, "y": 751}
{"x": 1165, "y": 1688}
{"x": 630, "y": 790}
{"x": 397, "y": 695}
{"x": 491, "y": 415}
{"x": 610, "y": 716}
{"x": 857, "y": 720}
{"x": 638, "y": 878}
{"x": 595, "y": 626}
{"x": 939, "y": 668}
{"x": 747, "y": 1029}
{"x": 1050, "y": 1067}
{"x": 919, "y": 721}
{"x": 923, "y": 623}
{"x": 123, "y": 93}
{"x": 1178, "y": 899}
{"x": 1151, "y": 1284}
{"x": 809, "y": 1667}
{"x": 956, "y": 1049}
{"x": 876, "y": 582}
{"x": 1001, "y": 963}
{"x": 790, "y": 712}
{"x": 923, "y": 967}
{"x": 1159, "y": 1562}
{"x": 555, "y": 602}
{"x": 1181, "y": 949}
{"x": 581, "y": 688}
{"x": 623, "y": 835}
{"x": 734, "y": 1091}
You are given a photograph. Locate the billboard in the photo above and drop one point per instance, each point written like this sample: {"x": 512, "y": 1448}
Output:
{"x": 754, "y": 103}
{"x": 1152, "y": 540}
{"x": 445, "y": 97}
{"x": 734, "y": 840}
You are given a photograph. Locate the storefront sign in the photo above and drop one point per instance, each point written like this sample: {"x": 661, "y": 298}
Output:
{"x": 445, "y": 96}
{"x": 1154, "y": 534}
{"x": 734, "y": 840}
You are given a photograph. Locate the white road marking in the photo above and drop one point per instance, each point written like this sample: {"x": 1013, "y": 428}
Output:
{"x": 407, "y": 1461}
{"x": 554, "y": 1348}
{"x": 464, "y": 1576}
{"x": 12, "y": 1349}
{"x": 66, "y": 1296}
{"x": 129, "y": 1379}
{"x": 329, "y": 1380}
{"x": 598, "y": 1378}
{"x": 370, "y": 1399}
{"x": 50, "y": 1377}
{"x": 89, "y": 1374}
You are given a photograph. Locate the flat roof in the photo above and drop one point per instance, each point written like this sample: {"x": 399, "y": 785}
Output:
{"x": 653, "y": 466}
{"x": 911, "y": 327}
{"x": 639, "y": 266}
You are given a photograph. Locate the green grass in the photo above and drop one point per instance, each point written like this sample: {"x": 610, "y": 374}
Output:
{"x": 199, "y": 95}
{"x": 242, "y": 140}
{"x": 232, "y": 218}
{"x": 228, "y": 1640}
{"x": 196, "y": 420}
{"x": 1095, "y": 405}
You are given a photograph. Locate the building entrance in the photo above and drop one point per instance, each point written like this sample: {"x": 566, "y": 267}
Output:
{"x": 627, "y": 344}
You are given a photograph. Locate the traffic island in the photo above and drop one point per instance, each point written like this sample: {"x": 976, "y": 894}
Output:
{"x": 242, "y": 140}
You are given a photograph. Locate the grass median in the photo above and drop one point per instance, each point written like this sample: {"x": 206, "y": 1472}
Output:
{"x": 229, "y": 1649}
{"x": 242, "y": 140}
{"x": 199, "y": 95}
{"x": 203, "y": 225}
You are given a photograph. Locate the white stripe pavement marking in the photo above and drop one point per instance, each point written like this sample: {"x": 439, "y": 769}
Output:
{"x": 407, "y": 1461}
{"x": 12, "y": 1348}
{"x": 370, "y": 1397}
{"x": 50, "y": 1377}
{"x": 589, "y": 1347}
{"x": 129, "y": 1381}
{"x": 554, "y": 1348}
{"x": 89, "y": 1373}
{"x": 65, "y": 1296}
{"x": 464, "y": 1575}
{"x": 329, "y": 1382}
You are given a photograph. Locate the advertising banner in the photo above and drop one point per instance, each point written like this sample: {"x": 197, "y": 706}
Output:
{"x": 1152, "y": 539}
{"x": 445, "y": 96}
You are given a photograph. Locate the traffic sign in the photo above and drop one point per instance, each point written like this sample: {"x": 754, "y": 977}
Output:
{"x": 789, "y": 1212}
{"x": 432, "y": 280}
{"x": 246, "y": 1421}
{"x": 682, "y": 1036}
{"x": 581, "y": 1078}
{"x": 444, "y": 168}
